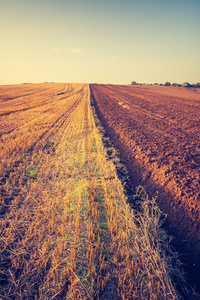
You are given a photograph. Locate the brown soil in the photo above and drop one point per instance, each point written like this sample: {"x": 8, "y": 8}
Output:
{"x": 157, "y": 130}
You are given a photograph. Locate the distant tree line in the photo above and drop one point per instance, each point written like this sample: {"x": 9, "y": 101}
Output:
{"x": 167, "y": 83}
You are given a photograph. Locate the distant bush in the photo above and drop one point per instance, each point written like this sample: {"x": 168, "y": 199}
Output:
{"x": 186, "y": 84}
{"x": 197, "y": 85}
{"x": 167, "y": 83}
{"x": 133, "y": 82}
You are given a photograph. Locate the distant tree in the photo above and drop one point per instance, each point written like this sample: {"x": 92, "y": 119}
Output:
{"x": 175, "y": 84}
{"x": 197, "y": 85}
{"x": 155, "y": 83}
{"x": 133, "y": 82}
{"x": 167, "y": 83}
{"x": 186, "y": 84}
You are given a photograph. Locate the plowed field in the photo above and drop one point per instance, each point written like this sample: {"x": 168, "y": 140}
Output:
{"x": 157, "y": 130}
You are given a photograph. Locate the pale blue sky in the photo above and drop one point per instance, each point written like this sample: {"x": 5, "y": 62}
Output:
{"x": 103, "y": 41}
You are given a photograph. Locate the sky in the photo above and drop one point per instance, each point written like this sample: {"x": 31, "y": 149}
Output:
{"x": 104, "y": 41}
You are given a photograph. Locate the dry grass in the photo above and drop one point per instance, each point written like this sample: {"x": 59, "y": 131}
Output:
{"x": 67, "y": 231}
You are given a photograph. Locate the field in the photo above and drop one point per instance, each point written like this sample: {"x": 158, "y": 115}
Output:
{"x": 157, "y": 130}
{"x": 67, "y": 231}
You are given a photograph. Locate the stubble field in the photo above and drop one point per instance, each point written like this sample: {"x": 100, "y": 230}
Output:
{"x": 67, "y": 231}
